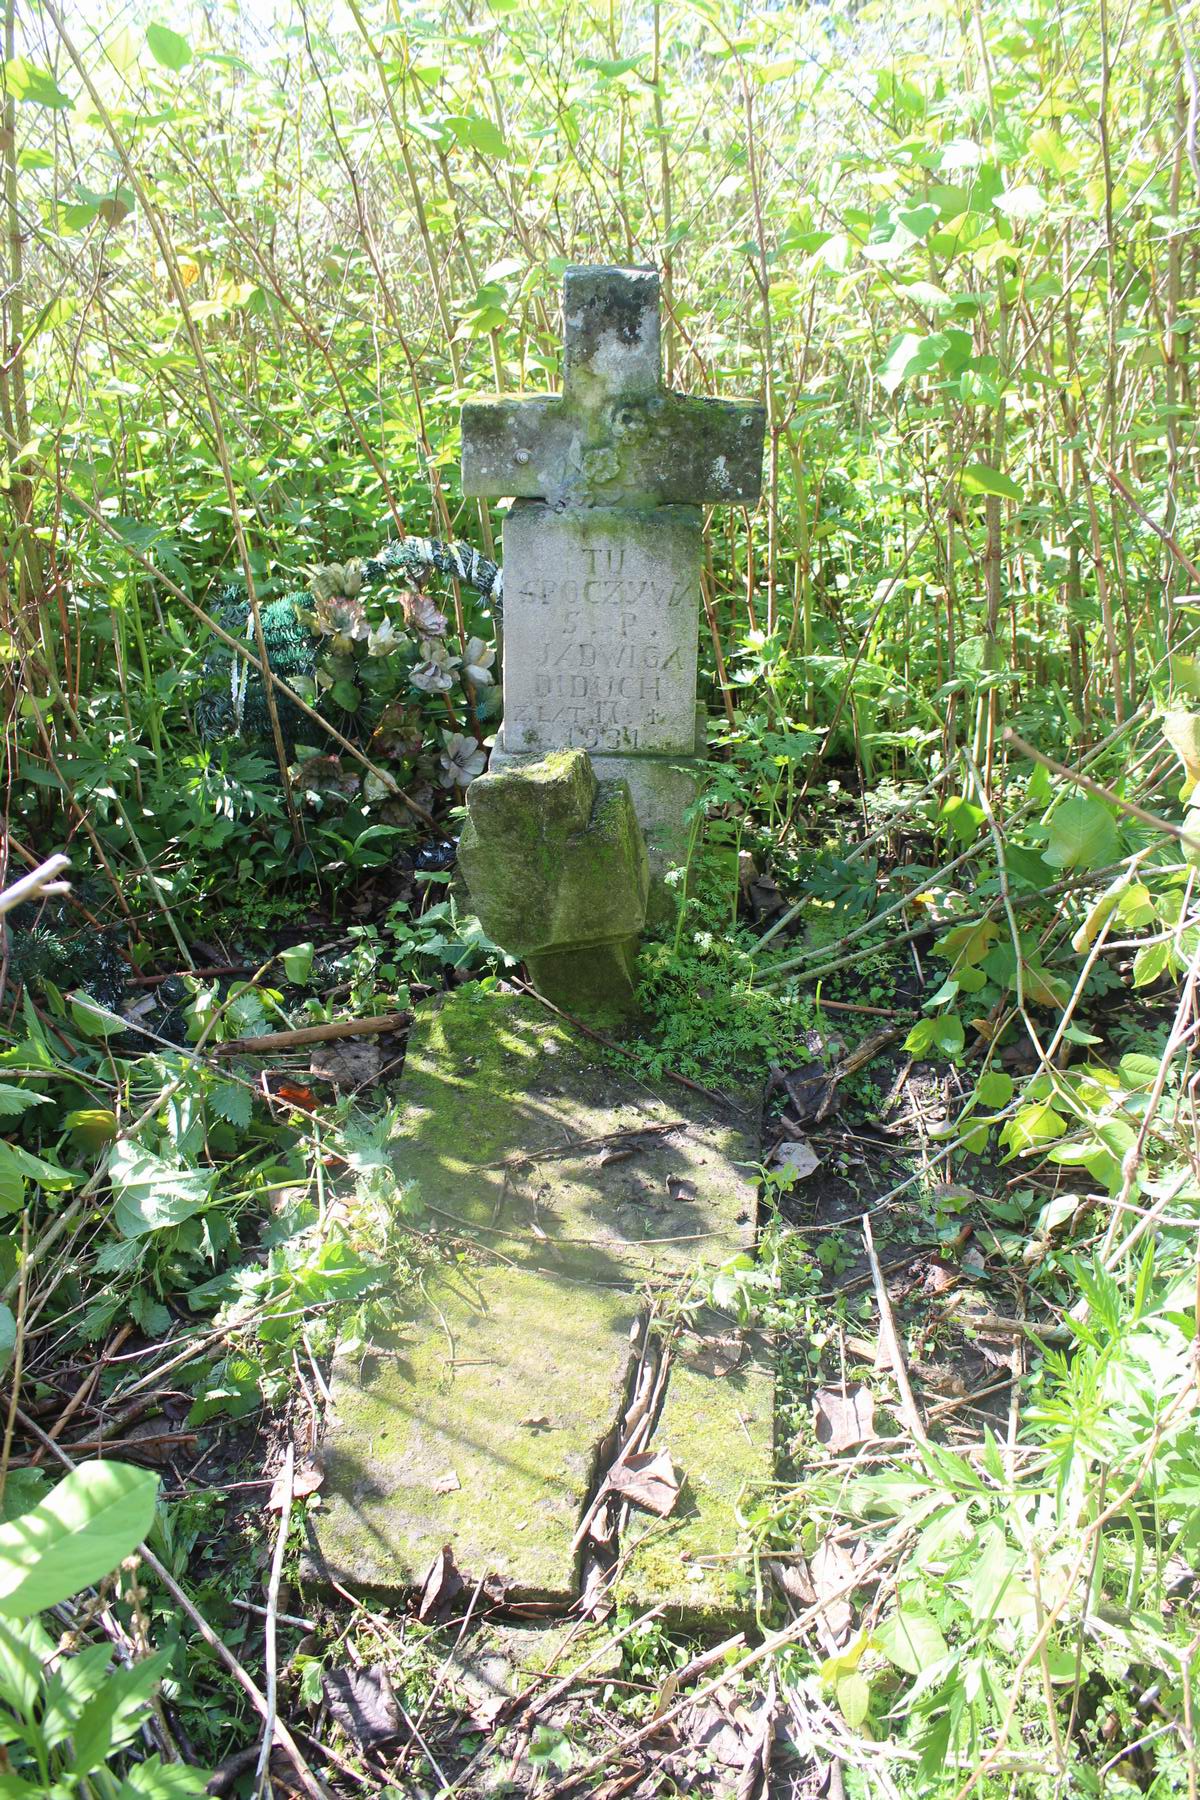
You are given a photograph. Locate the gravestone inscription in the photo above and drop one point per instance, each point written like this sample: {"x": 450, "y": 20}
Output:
{"x": 602, "y": 548}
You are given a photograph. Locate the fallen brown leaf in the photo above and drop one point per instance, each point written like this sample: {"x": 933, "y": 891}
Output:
{"x": 843, "y": 1419}
{"x": 648, "y": 1480}
{"x": 831, "y": 1568}
{"x": 362, "y": 1702}
{"x": 441, "y": 1586}
{"x": 795, "y": 1159}
{"x": 447, "y": 1483}
{"x": 305, "y": 1480}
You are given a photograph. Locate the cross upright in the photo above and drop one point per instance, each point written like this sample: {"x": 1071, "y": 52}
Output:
{"x": 615, "y": 436}
{"x": 602, "y": 549}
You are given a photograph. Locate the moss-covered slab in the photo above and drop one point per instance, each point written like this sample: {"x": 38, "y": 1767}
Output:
{"x": 478, "y": 1429}
{"x": 516, "y": 1128}
{"x": 485, "y": 1426}
{"x": 717, "y": 1423}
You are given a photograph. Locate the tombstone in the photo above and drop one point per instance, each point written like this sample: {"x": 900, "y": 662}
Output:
{"x": 498, "y": 1422}
{"x": 602, "y": 548}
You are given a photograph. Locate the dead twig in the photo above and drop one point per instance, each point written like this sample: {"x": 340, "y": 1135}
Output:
{"x": 312, "y": 1034}
{"x": 287, "y": 1486}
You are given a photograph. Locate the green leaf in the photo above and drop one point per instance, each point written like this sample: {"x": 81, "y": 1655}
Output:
{"x": 479, "y": 134}
{"x": 232, "y": 1103}
{"x": 1151, "y": 961}
{"x": 1083, "y": 835}
{"x": 297, "y": 963}
{"x": 81, "y": 1532}
{"x": 994, "y": 1088}
{"x": 14, "y": 1101}
{"x": 15, "y": 1161}
{"x": 981, "y": 478}
{"x": 152, "y": 1193}
{"x": 168, "y": 48}
{"x": 911, "y": 1639}
{"x": 154, "y": 1779}
{"x": 8, "y": 1335}
{"x": 25, "y": 81}
{"x": 854, "y": 1698}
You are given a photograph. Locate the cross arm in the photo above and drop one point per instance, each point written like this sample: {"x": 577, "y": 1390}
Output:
{"x": 660, "y": 449}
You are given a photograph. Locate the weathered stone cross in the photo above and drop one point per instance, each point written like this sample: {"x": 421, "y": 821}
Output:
{"x": 602, "y": 550}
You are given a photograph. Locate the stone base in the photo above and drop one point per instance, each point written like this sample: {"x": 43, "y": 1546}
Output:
{"x": 663, "y": 788}
{"x": 483, "y": 1426}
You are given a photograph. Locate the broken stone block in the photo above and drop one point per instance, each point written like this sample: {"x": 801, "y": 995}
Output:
{"x": 557, "y": 871}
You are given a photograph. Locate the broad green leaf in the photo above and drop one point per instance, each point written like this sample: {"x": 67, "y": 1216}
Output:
{"x": 14, "y": 1161}
{"x": 25, "y": 81}
{"x": 1083, "y": 835}
{"x": 1035, "y": 1124}
{"x": 81, "y": 1532}
{"x": 154, "y": 1779}
{"x": 1051, "y": 152}
{"x": 994, "y": 1088}
{"x": 92, "y": 1125}
{"x": 1151, "y": 961}
{"x": 297, "y": 962}
{"x": 981, "y": 478}
{"x": 168, "y": 48}
{"x": 911, "y": 1639}
{"x": 479, "y": 134}
{"x": 152, "y": 1193}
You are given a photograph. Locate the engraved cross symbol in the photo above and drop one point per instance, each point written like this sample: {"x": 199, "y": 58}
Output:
{"x": 615, "y": 436}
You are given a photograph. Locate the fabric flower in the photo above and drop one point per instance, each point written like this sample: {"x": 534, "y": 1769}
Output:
{"x": 478, "y": 658}
{"x": 434, "y": 674}
{"x": 382, "y": 639}
{"x": 461, "y": 760}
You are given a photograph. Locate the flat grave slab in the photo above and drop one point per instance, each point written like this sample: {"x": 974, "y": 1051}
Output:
{"x": 485, "y": 1424}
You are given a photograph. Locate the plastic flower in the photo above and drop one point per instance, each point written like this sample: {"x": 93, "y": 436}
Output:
{"x": 434, "y": 674}
{"x": 478, "y": 658}
{"x": 461, "y": 760}
{"x": 383, "y": 638}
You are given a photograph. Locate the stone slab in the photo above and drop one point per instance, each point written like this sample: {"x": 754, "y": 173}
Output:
{"x": 445, "y": 1403}
{"x": 719, "y": 1425}
{"x": 506, "y": 1119}
{"x": 484, "y": 1425}
{"x": 601, "y": 623}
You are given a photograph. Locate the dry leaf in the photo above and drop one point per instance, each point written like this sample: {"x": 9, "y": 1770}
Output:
{"x": 831, "y": 1569}
{"x": 648, "y": 1480}
{"x": 537, "y": 1422}
{"x": 843, "y": 1419}
{"x": 616, "y": 1153}
{"x": 679, "y": 1189}
{"x": 939, "y": 1276}
{"x": 793, "y": 1582}
{"x": 441, "y": 1587}
{"x": 795, "y": 1159}
{"x": 447, "y": 1483}
{"x": 362, "y": 1702}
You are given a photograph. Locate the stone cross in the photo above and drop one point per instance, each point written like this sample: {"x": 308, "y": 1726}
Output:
{"x": 602, "y": 549}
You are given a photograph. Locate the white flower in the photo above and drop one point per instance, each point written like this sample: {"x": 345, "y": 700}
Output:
{"x": 434, "y": 674}
{"x": 383, "y": 638}
{"x": 461, "y": 760}
{"x": 478, "y": 658}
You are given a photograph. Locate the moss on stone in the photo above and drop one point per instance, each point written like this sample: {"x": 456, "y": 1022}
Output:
{"x": 719, "y": 1430}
